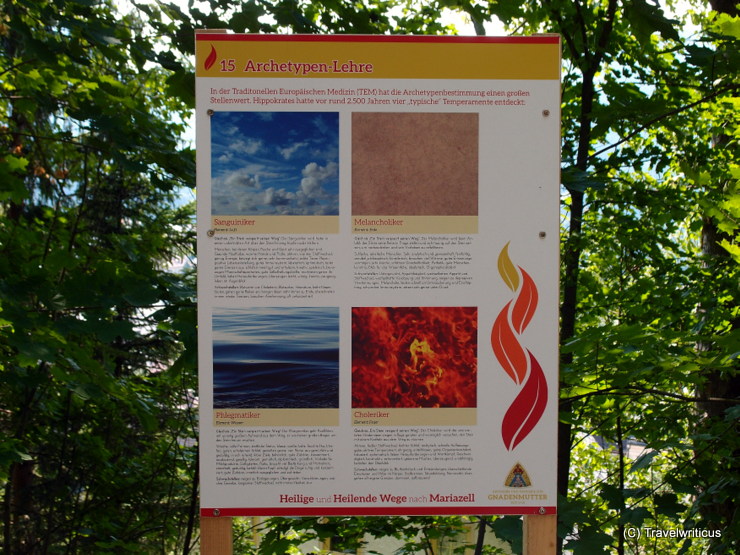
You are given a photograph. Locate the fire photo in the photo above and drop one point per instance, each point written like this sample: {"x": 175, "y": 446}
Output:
{"x": 414, "y": 357}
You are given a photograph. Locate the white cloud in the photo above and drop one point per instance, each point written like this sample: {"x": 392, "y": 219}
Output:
{"x": 248, "y": 146}
{"x": 271, "y": 188}
{"x": 314, "y": 176}
{"x": 279, "y": 197}
{"x": 241, "y": 178}
{"x": 247, "y": 203}
{"x": 288, "y": 151}
{"x": 320, "y": 124}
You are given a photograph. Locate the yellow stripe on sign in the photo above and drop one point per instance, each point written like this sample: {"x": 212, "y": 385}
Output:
{"x": 225, "y": 55}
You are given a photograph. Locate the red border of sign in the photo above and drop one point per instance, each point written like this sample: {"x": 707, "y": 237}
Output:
{"x": 211, "y": 36}
{"x": 377, "y": 511}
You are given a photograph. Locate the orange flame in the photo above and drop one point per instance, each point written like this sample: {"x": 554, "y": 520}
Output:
{"x": 414, "y": 357}
{"x": 522, "y": 367}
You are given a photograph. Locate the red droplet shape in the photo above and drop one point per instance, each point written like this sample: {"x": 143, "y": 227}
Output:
{"x": 527, "y": 408}
{"x": 211, "y": 59}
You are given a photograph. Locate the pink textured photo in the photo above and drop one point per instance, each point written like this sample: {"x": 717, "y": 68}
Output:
{"x": 415, "y": 164}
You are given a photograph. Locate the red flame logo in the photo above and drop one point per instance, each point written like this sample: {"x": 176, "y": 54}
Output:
{"x": 519, "y": 363}
{"x": 211, "y": 59}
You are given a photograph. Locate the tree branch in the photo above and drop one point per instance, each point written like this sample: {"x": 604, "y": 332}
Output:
{"x": 668, "y": 114}
{"x": 634, "y": 390}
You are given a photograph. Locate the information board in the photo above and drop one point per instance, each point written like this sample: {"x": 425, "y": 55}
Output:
{"x": 377, "y": 274}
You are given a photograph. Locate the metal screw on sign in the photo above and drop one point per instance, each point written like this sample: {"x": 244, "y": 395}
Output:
{"x": 545, "y": 113}
{"x": 543, "y": 234}
{"x": 210, "y": 233}
{"x": 542, "y": 510}
{"x": 210, "y": 112}
{"x": 216, "y": 512}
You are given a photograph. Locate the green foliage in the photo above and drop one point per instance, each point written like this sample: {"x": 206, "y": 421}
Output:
{"x": 95, "y": 405}
{"x": 97, "y": 337}
{"x": 649, "y": 311}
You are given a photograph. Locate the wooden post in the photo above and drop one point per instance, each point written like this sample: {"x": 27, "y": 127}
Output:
{"x": 256, "y": 532}
{"x": 540, "y": 534}
{"x": 216, "y": 537}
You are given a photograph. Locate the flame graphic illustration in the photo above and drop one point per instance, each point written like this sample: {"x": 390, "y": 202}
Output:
{"x": 211, "y": 59}
{"x": 519, "y": 363}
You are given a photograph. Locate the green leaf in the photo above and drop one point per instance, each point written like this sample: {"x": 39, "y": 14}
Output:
{"x": 635, "y": 516}
{"x": 648, "y": 18}
{"x": 578, "y": 180}
{"x": 87, "y": 391}
{"x": 727, "y": 25}
{"x": 613, "y": 496}
{"x": 108, "y": 331}
{"x": 667, "y": 504}
{"x": 509, "y": 529}
{"x": 11, "y": 452}
{"x": 11, "y": 185}
{"x": 643, "y": 461}
{"x": 591, "y": 541}
{"x": 731, "y": 248}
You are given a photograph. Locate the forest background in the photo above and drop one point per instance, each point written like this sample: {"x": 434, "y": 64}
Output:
{"x": 98, "y": 433}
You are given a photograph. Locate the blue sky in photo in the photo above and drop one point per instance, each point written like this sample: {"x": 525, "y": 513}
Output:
{"x": 280, "y": 163}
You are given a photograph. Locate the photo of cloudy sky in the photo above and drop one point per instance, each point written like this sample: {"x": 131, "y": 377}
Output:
{"x": 275, "y": 163}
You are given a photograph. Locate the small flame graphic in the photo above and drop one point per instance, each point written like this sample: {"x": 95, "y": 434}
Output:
{"x": 520, "y": 364}
{"x": 211, "y": 59}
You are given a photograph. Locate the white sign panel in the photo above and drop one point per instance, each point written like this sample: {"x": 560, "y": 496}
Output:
{"x": 378, "y": 274}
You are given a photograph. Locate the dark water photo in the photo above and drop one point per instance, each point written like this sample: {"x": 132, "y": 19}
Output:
{"x": 281, "y": 358}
